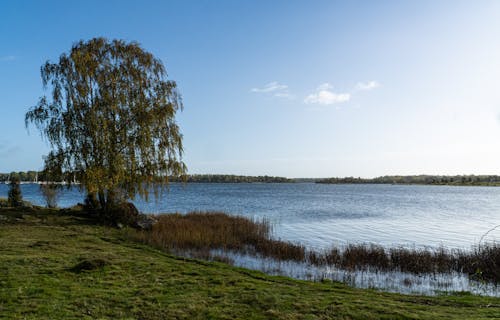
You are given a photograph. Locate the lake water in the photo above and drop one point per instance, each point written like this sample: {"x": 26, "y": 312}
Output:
{"x": 320, "y": 215}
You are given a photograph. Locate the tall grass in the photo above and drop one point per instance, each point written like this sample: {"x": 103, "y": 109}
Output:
{"x": 481, "y": 263}
{"x": 202, "y": 232}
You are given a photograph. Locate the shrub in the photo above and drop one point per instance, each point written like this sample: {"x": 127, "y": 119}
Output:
{"x": 116, "y": 212}
{"x": 4, "y": 202}
{"x": 51, "y": 194}
{"x": 15, "y": 195}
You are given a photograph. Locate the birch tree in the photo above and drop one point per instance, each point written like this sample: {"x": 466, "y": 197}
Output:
{"x": 110, "y": 120}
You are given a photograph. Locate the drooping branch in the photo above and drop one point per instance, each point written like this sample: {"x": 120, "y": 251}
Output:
{"x": 111, "y": 116}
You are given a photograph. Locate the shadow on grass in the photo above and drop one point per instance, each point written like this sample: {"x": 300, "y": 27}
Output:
{"x": 89, "y": 265}
{"x": 35, "y": 215}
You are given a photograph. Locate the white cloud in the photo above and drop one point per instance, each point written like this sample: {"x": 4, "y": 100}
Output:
{"x": 271, "y": 87}
{"x": 276, "y": 89}
{"x": 367, "y": 85}
{"x": 325, "y": 96}
{"x": 7, "y": 58}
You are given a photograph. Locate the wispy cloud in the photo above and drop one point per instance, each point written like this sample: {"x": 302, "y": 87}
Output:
{"x": 275, "y": 89}
{"x": 7, "y": 58}
{"x": 365, "y": 86}
{"x": 271, "y": 87}
{"x": 325, "y": 96}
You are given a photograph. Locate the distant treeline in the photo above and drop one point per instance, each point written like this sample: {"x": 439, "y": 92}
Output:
{"x": 229, "y": 178}
{"x": 460, "y": 180}
{"x": 22, "y": 176}
{"x": 31, "y": 176}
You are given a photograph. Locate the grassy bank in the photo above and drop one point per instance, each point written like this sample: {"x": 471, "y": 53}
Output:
{"x": 64, "y": 266}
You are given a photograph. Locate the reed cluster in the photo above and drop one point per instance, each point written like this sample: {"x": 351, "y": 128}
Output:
{"x": 205, "y": 231}
{"x": 482, "y": 262}
{"x": 198, "y": 233}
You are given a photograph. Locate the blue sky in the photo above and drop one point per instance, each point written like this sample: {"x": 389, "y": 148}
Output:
{"x": 289, "y": 88}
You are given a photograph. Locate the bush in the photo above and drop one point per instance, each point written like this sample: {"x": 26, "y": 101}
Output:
{"x": 116, "y": 212}
{"x": 15, "y": 195}
{"x": 51, "y": 194}
{"x": 122, "y": 213}
{"x": 4, "y": 202}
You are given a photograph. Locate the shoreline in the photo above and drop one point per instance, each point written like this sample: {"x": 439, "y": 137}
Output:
{"x": 54, "y": 251}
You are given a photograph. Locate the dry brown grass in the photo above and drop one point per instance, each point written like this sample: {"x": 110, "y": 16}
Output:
{"x": 482, "y": 263}
{"x": 200, "y": 232}
{"x": 204, "y": 231}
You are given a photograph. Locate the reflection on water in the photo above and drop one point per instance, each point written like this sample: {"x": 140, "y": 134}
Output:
{"x": 392, "y": 281}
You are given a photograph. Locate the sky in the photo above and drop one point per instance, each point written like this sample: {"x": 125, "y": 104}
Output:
{"x": 287, "y": 88}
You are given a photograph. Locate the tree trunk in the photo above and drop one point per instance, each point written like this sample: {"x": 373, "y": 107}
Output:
{"x": 102, "y": 200}
{"x": 110, "y": 201}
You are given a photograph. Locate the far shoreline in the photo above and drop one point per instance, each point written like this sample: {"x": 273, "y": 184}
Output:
{"x": 34, "y": 177}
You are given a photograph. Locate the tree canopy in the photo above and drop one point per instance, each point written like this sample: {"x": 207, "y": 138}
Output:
{"x": 110, "y": 120}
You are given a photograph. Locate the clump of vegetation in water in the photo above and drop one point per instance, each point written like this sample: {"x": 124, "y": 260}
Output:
{"x": 481, "y": 263}
{"x": 204, "y": 231}
{"x": 200, "y": 232}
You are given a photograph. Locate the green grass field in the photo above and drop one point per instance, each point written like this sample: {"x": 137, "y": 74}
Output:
{"x": 63, "y": 266}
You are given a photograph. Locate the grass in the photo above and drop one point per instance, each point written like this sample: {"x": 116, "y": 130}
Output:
{"x": 60, "y": 265}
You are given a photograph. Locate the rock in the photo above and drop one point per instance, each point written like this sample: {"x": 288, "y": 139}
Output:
{"x": 125, "y": 213}
{"x": 145, "y": 222}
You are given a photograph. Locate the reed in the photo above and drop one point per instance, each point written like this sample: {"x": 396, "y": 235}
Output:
{"x": 481, "y": 263}
{"x": 196, "y": 234}
{"x": 205, "y": 231}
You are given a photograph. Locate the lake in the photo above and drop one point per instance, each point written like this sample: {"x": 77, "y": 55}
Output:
{"x": 320, "y": 215}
